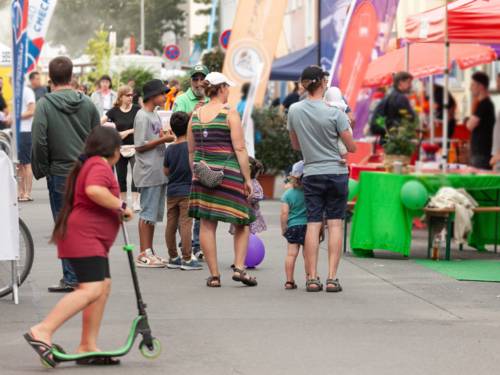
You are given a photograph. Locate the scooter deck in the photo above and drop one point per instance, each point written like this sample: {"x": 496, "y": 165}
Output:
{"x": 64, "y": 357}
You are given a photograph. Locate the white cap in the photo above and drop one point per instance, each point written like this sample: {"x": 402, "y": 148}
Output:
{"x": 297, "y": 169}
{"x": 216, "y": 78}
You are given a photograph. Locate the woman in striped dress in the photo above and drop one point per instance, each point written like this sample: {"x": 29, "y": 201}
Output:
{"x": 215, "y": 137}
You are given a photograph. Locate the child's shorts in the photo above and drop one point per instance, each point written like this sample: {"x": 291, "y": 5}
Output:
{"x": 90, "y": 269}
{"x": 296, "y": 234}
{"x": 153, "y": 203}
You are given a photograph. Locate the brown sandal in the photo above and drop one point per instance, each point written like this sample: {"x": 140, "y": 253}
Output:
{"x": 213, "y": 282}
{"x": 244, "y": 277}
{"x": 289, "y": 285}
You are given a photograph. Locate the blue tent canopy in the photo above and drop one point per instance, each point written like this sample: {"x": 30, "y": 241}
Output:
{"x": 290, "y": 67}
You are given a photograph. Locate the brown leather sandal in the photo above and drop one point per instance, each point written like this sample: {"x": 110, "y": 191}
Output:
{"x": 213, "y": 282}
{"x": 244, "y": 277}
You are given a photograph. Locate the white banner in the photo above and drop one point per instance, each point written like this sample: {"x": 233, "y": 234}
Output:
{"x": 39, "y": 15}
{"x": 247, "y": 120}
{"x": 9, "y": 219}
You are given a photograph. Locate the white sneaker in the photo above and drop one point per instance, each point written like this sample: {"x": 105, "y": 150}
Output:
{"x": 136, "y": 206}
{"x": 148, "y": 260}
{"x": 161, "y": 259}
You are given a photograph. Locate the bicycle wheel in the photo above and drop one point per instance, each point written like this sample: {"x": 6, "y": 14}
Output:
{"x": 23, "y": 264}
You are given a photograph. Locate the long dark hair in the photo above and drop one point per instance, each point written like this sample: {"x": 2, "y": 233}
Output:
{"x": 102, "y": 141}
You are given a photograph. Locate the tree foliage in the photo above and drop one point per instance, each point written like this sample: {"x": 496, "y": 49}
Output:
{"x": 274, "y": 149}
{"x": 214, "y": 60}
{"x": 74, "y": 21}
{"x": 202, "y": 39}
{"x": 138, "y": 74}
{"x": 100, "y": 53}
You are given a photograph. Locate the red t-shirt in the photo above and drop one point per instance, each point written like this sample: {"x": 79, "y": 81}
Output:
{"x": 91, "y": 228}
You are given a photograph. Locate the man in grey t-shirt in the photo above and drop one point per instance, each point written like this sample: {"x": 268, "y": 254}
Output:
{"x": 315, "y": 129}
{"x": 149, "y": 141}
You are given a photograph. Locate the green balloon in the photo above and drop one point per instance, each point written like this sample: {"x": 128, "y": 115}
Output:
{"x": 353, "y": 189}
{"x": 414, "y": 195}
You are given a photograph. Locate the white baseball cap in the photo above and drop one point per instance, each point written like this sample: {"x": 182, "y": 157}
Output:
{"x": 297, "y": 169}
{"x": 216, "y": 78}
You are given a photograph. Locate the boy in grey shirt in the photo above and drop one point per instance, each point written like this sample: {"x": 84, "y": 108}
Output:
{"x": 149, "y": 141}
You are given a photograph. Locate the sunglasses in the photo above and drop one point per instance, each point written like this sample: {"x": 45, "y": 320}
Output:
{"x": 129, "y": 95}
{"x": 197, "y": 79}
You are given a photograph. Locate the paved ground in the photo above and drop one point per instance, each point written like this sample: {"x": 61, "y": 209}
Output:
{"x": 394, "y": 317}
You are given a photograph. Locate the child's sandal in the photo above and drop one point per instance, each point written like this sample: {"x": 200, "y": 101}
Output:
{"x": 289, "y": 285}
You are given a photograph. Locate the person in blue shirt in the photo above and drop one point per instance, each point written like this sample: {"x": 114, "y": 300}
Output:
{"x": 176, "y": 167}
{"x": 293, "y": 221}
{"x": 240, "y": 107}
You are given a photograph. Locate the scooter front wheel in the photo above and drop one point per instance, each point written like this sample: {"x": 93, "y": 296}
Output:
{"x": 152, "y": 352}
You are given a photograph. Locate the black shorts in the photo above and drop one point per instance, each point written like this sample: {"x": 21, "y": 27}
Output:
{"x": 325, "y": 196}
{"x": 24, "y": 152}
{"x": 90, "y": 269}
{"x": 296, "y": 234}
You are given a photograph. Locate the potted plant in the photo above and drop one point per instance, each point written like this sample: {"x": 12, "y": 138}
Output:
{"x": 272, "y": 146}
{"x": 400, "y": 143}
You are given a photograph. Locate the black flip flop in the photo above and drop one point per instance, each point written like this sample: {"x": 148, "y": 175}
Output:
{"x": 42, "y": 349}
{"x": 98, "y": 361}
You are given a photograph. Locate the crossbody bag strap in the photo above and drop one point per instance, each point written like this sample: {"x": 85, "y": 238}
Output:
{"x": 203, "y": 127}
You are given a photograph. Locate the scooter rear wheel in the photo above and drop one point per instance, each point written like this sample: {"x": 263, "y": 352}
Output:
{"x": 150, "y": 353}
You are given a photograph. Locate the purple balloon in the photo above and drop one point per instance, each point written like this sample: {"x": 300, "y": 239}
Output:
{"x": 255, "y": 252}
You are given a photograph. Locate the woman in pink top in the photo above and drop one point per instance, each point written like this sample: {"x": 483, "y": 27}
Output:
{"x": 85, "y": 230}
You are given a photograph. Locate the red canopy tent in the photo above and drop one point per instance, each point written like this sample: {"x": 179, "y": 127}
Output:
{"x": 476, "y": 21}
{"x": 425, "y": 59}
{"x": 467, "y": 21}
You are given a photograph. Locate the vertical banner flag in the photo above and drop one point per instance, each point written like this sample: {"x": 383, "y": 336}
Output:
{"x": 254, "y": 38}
{"x": 333, "y": 15}
{"x": 39, "y": 15}
{"x": 19, "y": 10}
{"x": 366, "y": 33}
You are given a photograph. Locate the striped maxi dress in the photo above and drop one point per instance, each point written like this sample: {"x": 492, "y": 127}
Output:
{"x": 227, "y": 202}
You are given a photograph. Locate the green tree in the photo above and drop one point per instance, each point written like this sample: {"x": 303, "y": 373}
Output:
{"x": 202, "y": 39}
{"x": 74, "y": 21}
{"x": 138, "y": 74}
{"x": 100, "y": 53}
{"x": 214, "y": 60}
{"x": 274, "y": 149}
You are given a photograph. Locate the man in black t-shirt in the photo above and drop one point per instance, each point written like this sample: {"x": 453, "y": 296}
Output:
{"x": 398, "y": 105}
{"x": 481, "y": 123}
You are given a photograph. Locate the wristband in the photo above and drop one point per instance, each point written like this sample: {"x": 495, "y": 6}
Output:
{"x": 123, "y": 206}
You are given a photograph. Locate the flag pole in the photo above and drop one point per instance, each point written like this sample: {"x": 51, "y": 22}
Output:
{"x": 445, "y": 90}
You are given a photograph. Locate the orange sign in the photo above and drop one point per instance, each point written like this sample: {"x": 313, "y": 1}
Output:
{"x": 254, "y": 38}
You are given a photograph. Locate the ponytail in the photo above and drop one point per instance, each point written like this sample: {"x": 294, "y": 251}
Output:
{"x": 69, "y": 194}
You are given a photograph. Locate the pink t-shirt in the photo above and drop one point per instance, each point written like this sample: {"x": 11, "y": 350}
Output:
{"x": 91, "y": 228}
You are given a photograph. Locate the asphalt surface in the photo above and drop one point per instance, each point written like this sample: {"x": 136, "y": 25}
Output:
{"x": 393, "y": 317}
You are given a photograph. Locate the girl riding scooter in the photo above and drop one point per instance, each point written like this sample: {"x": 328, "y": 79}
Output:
{"x": 84, "y": 232}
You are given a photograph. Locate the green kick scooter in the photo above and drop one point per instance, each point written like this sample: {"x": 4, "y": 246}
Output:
{"x": 149, "y": 346}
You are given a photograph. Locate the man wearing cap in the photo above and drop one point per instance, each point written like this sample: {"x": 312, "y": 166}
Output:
{"x": 193, "y": 99}
{"x": 149, "y": 141}
{"x": 315, "y": 129}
